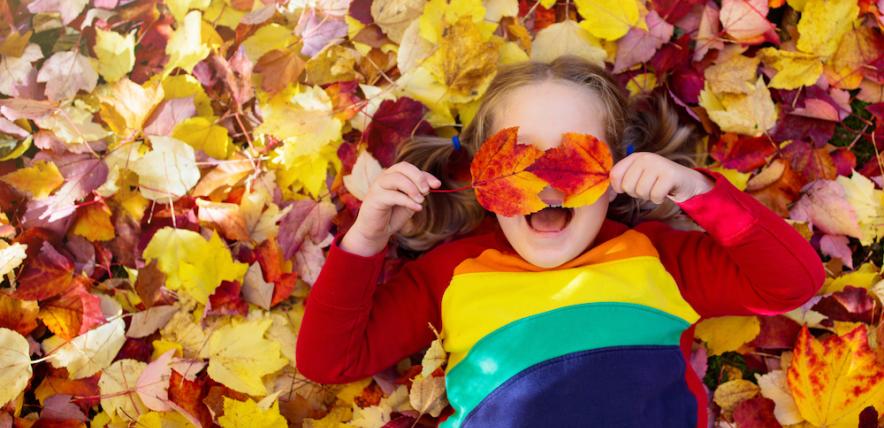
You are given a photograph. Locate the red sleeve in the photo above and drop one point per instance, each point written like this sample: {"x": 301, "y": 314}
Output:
{"x": 749, "y": 261}
{"x": 353, "y": 328}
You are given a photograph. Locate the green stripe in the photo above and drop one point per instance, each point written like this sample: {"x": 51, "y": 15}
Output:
{"x": 520, "y": 344}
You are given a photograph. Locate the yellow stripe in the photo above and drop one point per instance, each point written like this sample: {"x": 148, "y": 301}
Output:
{"x": 480, "y": 301}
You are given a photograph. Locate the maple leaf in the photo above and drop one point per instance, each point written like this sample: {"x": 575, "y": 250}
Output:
{"x": 500, "y": 180}
{"x": 834, "y": 379}
{"x": 567, "y": 37}
{"x": 240, "y": 413}
{"x": 608, "y": 19}
{"x": 579, "y": 166}
{"x": 239, "y": 355}
{"x": 191, "y": 263}
{"x": 66, "y": 73}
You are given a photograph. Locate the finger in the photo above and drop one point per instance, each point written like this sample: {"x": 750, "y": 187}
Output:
{"x": 400, "y": 182}
{"x": 434, "y": 182}
{"x": 617, "y": 171}
{"x": 395, "y": 198}
{"x": 630, "y": 179}
{"x": 646, "y": 183}
{"x": 414, "y": 174}
{"x": 660, "y": 190}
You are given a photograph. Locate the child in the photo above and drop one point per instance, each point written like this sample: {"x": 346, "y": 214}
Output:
{"x": 565, "y": 317}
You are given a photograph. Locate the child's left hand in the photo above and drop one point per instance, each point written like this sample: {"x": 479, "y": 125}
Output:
{"x": 649, "y": 176}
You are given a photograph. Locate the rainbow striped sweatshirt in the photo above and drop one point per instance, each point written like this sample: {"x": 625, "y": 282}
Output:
{"x": 604, "y": 337}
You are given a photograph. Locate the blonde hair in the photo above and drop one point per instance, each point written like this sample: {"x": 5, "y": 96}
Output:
{"x": 649, "y": 123}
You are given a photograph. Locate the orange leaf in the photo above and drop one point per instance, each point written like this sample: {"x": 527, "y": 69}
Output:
{"x": 833, "y": 380}
{"x": 16, "y": 314}
{"x": 74, "y": 312}
{"x": 499, "y": 178}
{"x": 579, "y": 166}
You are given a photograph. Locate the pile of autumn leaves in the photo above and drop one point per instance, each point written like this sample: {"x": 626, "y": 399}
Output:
{"x": 169, "y": 175}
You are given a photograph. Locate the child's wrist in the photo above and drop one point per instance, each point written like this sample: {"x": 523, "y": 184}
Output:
{"x": 356, "y": 243}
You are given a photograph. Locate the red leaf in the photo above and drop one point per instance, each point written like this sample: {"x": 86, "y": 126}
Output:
{"x": 48, "y": 275}
{"x": 499, "y": 178}
{"x": 756, "y": 412}
{"x": 74, "y": 312}
{"x": 741, "y": 152}
{"x": 579, "y": 166}
{"x": 391, "y": 125}
{"x": 226, "y": 300}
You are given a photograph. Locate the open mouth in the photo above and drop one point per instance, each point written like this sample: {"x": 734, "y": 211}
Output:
{"x": 550, "y": 219}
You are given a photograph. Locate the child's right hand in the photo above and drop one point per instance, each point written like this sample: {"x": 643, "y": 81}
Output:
{"x": 392, "y": 198}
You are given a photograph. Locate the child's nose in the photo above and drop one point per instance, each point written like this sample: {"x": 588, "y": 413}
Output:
{"x": 552, "y": 196}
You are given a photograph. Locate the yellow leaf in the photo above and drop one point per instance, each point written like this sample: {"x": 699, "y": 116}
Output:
{"x": 567, "y": 37}
{"x": 185, "y": 85}
{"x": 38, "y": 180}
{"x": 750, "y": 114}
{"x": 247, "y": 413}
{"x": 834, "y": 379}
{"x": 179, "y": 8}
{"x": 794, "y": 69}
{"x": 94, "y": 223}
{"x": 126, "y": 105}
{"x": 88, "y": 353}
{"x": 203, "y": 134}
{"x": 239, "y": 355}
{"x": 15, "y": 43}
{"x": 192, "y": 264}
{"x": 72, "y": 123}
{"x": 858, "y": 49}
{"x": 867, "y": 202}
{"x": 16, "y": 362}
{"x": 168, "y": 171}
{"x": 267, "y": 38}
{"x": 115, "y": 52}
{"x": 608, "y": 19}
{"x": 865, "y": 276}
{"x": 737, "y": 178}
{"x": 729, "y": 333}
{"x": 465, "y": 60}
{"x": 296, "y": 172}
{"x": 305, "y": 118}
{"x": 186, "y": 48}
{"x": 823, "y": 23}
{"x": 641, "y": 83}
{"x": 733, "y": 392}
{"x": 163, "y": 420}
{"x": 438, "y": 14}
{"x": 733, "y": 74}
{"x": 11, "y": 256}
{"x": 119, "y": 396}
{"x": 420, "y": 84}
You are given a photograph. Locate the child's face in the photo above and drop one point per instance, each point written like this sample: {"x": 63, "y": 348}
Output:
{"x": 543, "y": 112}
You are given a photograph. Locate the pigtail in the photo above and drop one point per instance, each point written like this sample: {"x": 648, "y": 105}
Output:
{"x": 445, "y": 214}
{"x": 653, "y": 126}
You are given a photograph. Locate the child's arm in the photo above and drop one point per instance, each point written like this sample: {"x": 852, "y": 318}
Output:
{"x": 353, "y": 328}
{"x": 749, "y": 260}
